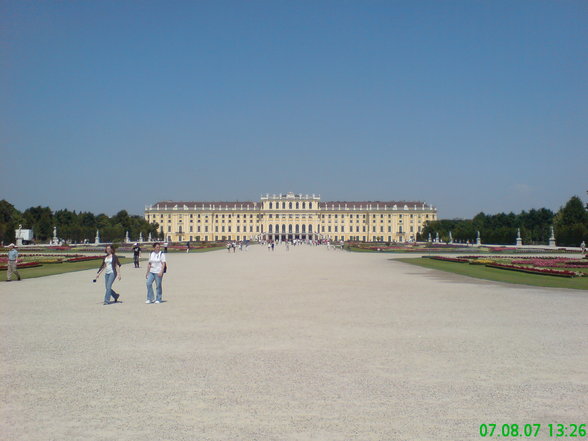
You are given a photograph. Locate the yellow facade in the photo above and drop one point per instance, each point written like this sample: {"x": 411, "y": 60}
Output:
{"x": 290, "y": 216}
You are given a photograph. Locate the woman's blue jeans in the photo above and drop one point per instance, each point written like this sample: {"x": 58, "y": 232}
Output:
{"x": 150, "y": 278}
{"x": 108, "y": 281}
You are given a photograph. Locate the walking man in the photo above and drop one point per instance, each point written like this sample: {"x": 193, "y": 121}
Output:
{"x": 12, "y": 257}
{"x": 136, "y": 254}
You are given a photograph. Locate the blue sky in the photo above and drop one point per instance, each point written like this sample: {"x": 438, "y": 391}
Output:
{"x": 468, "y": 105}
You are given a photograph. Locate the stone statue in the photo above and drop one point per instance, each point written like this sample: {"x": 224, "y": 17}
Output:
{"x": 519, "y": 239}
{"x": 97, "y": 238}
{"x": 478, "y": 239}
{"x": 552, "y": 238}
{"x": 450, "y": 238}
{"x": 141, "y": 236}
{"x": 127, "y": 240}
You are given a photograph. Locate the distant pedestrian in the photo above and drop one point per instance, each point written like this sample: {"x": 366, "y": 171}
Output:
{"x": 188, "y": 247}
{"x": 136, "y": 254}
{"x": 155, "y": 269}
{"x": 111, "y": 267}
{"x": 12, "y": 261}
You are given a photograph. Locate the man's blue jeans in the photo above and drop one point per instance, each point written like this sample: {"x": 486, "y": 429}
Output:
{"x": 108, "y": 281}
{"x": 150, "y": 278}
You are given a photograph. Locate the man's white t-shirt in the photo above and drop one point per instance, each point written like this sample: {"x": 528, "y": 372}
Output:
{"x": 156, "y": 260}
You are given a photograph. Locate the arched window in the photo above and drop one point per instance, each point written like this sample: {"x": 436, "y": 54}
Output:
{"x": 290, "y": 228}
{"x": 297, "y": 228}
{"x": 270, "y": 205}
{"x": 290, "y": 205}
{"x": 297, "y": 205}
{"x": 310, "y": 205}
{"x": 284, "y": 205}
{"x": 303, "y": 228}
{"x": 283, "y": 228}
{"x": 277, "y": 229}
{"x": 304, "y": 205}
{"x": 270, "y": 229}
{"x": 310, "y": 228}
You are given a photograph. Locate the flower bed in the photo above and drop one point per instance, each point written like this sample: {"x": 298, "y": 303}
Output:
{"x": 22, "y": 265}
{"x": 542, "y": 271}
{"x": 542, "y": 263}
{"x": 448, "y": 259}
{"x": 84, "y": 259}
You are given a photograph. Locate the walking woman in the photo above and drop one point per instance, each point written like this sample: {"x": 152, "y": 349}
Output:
{"x": 155, "y": 269}
{"x": 111, "y": 267}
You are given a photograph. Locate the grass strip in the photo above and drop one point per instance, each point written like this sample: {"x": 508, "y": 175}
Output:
{"x": 52, "y": 269}
{"x": 499, "y": 275}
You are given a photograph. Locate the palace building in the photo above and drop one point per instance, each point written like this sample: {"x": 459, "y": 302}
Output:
{"x": 290, "y": 216}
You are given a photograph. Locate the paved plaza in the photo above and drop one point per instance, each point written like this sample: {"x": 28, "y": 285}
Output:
{"x": 310, "y": 344}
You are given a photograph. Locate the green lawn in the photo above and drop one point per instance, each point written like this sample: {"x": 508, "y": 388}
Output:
{"x": 59, "y": 268}
{"x": 500, "y": 275}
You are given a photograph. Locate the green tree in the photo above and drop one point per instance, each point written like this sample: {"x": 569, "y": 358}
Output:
{"x": 571, "y": 223}
{"x": 40, "y": 219}
{"x": 10, "y": 218}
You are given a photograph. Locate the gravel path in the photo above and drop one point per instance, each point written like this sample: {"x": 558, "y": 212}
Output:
{"x": 308, "y": 344}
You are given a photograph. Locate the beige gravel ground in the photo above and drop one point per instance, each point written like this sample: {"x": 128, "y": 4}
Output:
{"x": 309, "y": 344}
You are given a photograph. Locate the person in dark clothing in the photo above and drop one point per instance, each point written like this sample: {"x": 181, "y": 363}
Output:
{"x": 136, "y": 254}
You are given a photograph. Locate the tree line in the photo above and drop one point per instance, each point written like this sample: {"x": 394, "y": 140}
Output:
{"x": 570, "y": 225}
{"x": 71, "y": 226}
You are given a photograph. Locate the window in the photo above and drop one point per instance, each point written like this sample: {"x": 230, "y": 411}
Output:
{"x": 270, "y": 205}
{"x": 169, "y": 228}
{"x": 290, "y": 205}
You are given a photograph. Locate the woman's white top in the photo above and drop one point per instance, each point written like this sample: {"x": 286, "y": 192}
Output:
{"x": 108, "y": 264}
{"x": 156, "y": 260}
